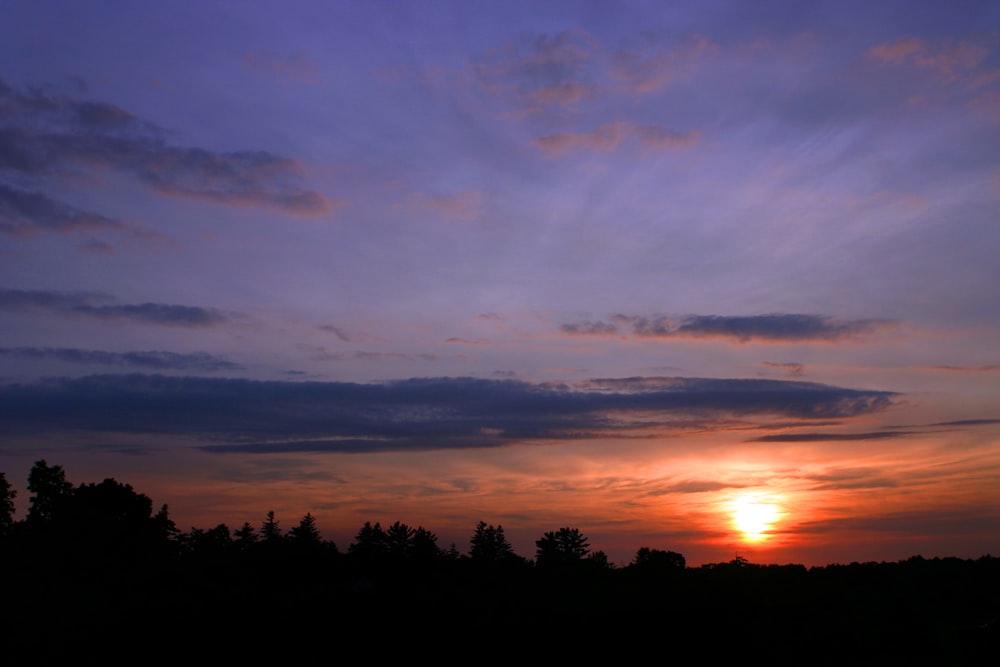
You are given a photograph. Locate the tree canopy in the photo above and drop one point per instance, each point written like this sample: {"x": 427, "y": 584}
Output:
{"x": 566, "y": 545}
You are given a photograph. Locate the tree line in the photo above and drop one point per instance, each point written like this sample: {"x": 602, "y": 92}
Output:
{"x": 113, "y": 519}
{"x": 94, "y": 567}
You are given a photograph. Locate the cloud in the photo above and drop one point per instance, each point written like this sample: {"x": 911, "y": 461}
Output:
{"x": 946, "y": 58}
{"x": 460, "y": 205}
{"x": 19, "y": 300}
{"x": 793, "y": 369}
{"x": 548, "y": 71}
{"x": 23, "y": 212}
{"x": 91, "y": 304}
{"x": 646, "y": 71}
{"x": 965, "y": 521}
{"x": 852, "y": 478}
{"x": 320, "y": 353}
{"x": 295, "y": 69}
{"x": 95, "y": 247}
{"x": 968, "y": 422}
{"x": 898, "y": 50}
{"x": 693, "y": 486}
{"x": 426, "y": 413}
{"x": 771, "y": 327}
{"x": 608, "y": 137}
{"x": 50, "y": 139}
{"x": 466, "y": 341}
{"x": 149, "y": 359}
{"x": 156, "y": 313}
{"x": 336, "y": 331}
{"x": 591, "y": 328}
{"x": 984, "y": 368}
{"x": 829, "y": 437}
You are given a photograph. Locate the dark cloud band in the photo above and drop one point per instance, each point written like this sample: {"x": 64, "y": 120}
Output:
{"x": 770, "y": 327}
{"x": 94, "y": 304}
{"x": 149, "y": 359}
{"x": 436, "y": 413}
{"x": 45, "y": 137}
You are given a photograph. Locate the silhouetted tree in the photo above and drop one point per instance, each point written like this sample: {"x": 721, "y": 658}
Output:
{"x": 370, "y": 543}
{"x": 599, "y": 559}
{"x": 423, "y": 546}
{"x": 657, "y": 560}
{"x": 211, "y": 542}
{"x": 111, "y": 505}
{"x": 305, "y": 534}
{"x": 566, "y": 545}
{"x": 7, "y": 494}
{"x": 49, "y": 489}
{"x": 269, "y": 530}
{"x": 245, "y": 536}
{"x": 398, "y": 540}
{"x": 489, "y": 544}
{"x": 165, "y": 526}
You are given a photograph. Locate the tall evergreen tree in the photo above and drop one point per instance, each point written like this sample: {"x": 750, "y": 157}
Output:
{"x": 269, "y": 530}
{"x": 423, "y": 546}
{"x": 245, "y": 536}
{"x": 370, "y": 542}
{"x": 306, "y": 533}
{"x": 7, "y": 494}
{"x": 399, "y": 540}
{"x": 489, "y": 544}
{"x": 566, "y": 545}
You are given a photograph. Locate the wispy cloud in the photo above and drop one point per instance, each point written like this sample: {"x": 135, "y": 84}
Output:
{"x": 608, "y": 137}
{"x": 336, "y": 331}
{"x": 147, "y": 359}
{"x": 467, "y": 341}
{"x": 650, "y": 69}
{"x": 51, "y": 138}
{"x": 459, "y": 205}
{"x": 791, "y": 368}
{"x": 984, "y": 368}
{"x": 433, "y": 413}
{"x": 770, "y": 327}
{"x": 830, "y": 437}
{"x": 968, "y": 422}
{"x": 321, "y": 353}
{"x": 852, "y": 478}
{"x": 94, "y": 304}
{"x": 15, "y": 300}
{"x": 548, "y": 71}
{"x": 24, "y": 212}
{"x": 946, "y": 58}
{"x": 692, "y": 486}
{"x": 294, "y": 69}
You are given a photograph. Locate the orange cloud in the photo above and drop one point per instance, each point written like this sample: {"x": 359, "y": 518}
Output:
{"x": 646, "y": 73}
{"x": 466, "y": 341}
{"x": 608, "y": 137}
{"x": 947, "y": 59}
{"x": 544, "y": 72}
{"x": 898, "y": 50}
{"x": 462, "y": 205}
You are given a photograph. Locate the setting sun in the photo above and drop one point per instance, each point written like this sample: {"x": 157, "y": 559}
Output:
{"x": 754, "y": 516}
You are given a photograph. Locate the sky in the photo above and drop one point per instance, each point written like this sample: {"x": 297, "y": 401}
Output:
{"x": 715, "y": 277}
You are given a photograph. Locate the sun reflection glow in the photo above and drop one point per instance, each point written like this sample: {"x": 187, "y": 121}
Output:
{"x": 754, "y": 516}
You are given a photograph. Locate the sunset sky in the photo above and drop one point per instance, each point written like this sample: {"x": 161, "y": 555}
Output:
{"x": 715, "y": 277}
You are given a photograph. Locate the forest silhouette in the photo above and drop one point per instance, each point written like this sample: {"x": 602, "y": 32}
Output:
{"x": 94, "y": 575}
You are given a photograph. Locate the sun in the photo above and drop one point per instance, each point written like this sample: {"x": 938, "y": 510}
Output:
{"x": 754, "y": 516}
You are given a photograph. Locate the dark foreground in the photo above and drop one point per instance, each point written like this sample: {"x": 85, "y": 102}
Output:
{"x": 325, "y": 609}
{"x": 91, "y": 576}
